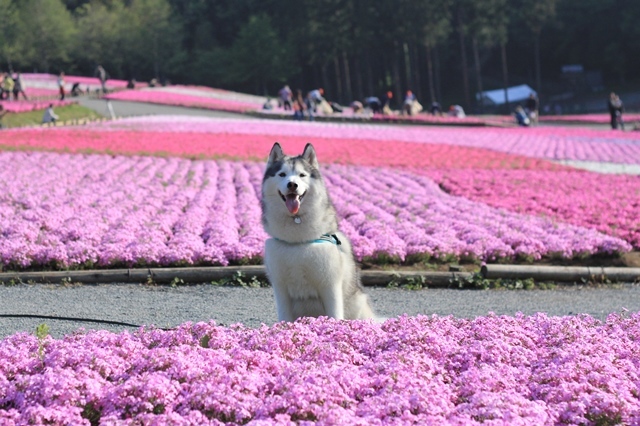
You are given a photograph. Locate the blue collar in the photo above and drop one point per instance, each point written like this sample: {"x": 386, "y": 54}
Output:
{"x": 324, "y": 238}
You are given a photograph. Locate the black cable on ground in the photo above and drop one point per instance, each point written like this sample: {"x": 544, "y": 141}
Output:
{"x": 57, "y": 318}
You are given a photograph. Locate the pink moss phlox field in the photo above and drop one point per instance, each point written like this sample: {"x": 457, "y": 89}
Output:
{"x": 521, "y": 370}
{"x": 190, "y": 97}
{"x": 25, "y": 106}
{"x": 50, "y": 81}
{"x": 608, "y": 203}
{"x": 588, "y": 118}
{"x": 248, "y": 146}
{"x": 553, "y": 143}
{"x": 98, "y": 210}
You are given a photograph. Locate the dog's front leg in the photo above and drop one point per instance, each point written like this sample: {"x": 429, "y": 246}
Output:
{"x": 333, "y": 300}
{"x": 283, "y": 303}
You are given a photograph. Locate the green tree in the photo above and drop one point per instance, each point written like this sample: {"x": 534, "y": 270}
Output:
{"x": 435, "y": 29}
{"x": 487, "y": 27}
{"x": 257, "y": 57}
{"x": 46, "y": 33}
{"x": 8, "y": 31}
{"x": 101, "y": 36}
{"x": 536, "y": 14}
{"x": 152, "y": 41}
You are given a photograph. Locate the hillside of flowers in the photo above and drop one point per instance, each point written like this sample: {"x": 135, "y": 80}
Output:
{"x": 192, "y": 96}
{"x": 48, "y": 83}
{"x": 612, "y": 206}
{"x": 344, "y": 142}
{"x": 403, "y": 194}
{"x": 552, "y": 143}
{"x": 98, "y": 210}
{"x": 419, "y": 370}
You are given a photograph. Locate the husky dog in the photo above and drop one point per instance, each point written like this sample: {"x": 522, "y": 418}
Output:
{"x": 309, "y": 262}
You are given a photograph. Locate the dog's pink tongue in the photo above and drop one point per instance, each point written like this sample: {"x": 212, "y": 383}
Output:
{"x": 293, "y": 203}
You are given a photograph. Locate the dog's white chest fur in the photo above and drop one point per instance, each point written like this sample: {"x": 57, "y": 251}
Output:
{"x": 304, "y": 269}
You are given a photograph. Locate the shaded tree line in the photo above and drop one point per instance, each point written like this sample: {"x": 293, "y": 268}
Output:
{"x": 440, "y": 49}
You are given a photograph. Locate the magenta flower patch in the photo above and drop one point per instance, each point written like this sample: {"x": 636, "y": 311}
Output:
{"x": 419, "y": 370}
{"x": 98, "y": 210}
{"x": 608, "y": 203}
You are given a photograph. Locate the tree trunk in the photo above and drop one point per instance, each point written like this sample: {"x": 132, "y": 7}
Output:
{"x": 359, "y": 83}
{"x": 156, "y": 62}
{"x": 338, "y": 79}
{"x": 347, "y": 77}
{"x": 325, "y": 78}
{"x": 476, "y": 59}
{"x": 463, "y": 59}
{"x": 432, "y": 91}
{"x": 536, "y": 47}
{"x": 436, "y": 64}
{"x": 416, "y": 69}
{"x": 407, "y": 66}
{"x": 505, "y": 77}
{"x": 369, "y": 68}
{"x": 396, "y": 75}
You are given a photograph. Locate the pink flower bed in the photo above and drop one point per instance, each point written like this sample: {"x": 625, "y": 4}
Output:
{"x": 164, "y": 97}
{"x": 26, "y": 106}
{"x": 423, "y": 370}
{"x": 50, "y": 82}
{"x": 238, "y": 144}
{"x": 37, "y": 92}
{"x": 553, "y": 143}
{"x": 608, "y": 203}
{"x": 97, "y": 210}
{"x": 587, "y": 118}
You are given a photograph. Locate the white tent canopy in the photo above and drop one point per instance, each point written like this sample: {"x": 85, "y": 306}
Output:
{"x": 496, "y": 97}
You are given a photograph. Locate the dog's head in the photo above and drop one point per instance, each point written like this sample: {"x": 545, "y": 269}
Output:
{"x": 291, "y": 179}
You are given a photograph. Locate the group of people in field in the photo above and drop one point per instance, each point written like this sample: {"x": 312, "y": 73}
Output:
{"x": 100, "y": 73}
{"x": 12, "y": 86}
{"x": 314, "y": 101}
{"x": 526, "y": 114}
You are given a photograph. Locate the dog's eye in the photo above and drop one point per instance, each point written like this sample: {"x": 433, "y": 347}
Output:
{"x": 283, "y": 174}
{"x": 302, "y": 175}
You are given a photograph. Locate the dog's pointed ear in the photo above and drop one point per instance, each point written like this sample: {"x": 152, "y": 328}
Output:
{"x": 309, "y": 154}
{"x": 276, "y": 153}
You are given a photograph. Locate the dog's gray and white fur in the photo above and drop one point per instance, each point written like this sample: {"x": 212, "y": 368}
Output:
{"x": 310, "y": 277}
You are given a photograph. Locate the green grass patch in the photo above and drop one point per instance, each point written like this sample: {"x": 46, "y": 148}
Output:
{"x": 30, "y": 118}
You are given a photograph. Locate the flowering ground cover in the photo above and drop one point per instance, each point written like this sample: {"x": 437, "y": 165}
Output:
{"x": 24, "y": 106}
{"x": 189, "y": 96}
{"x": 50, "y": 82}
{"x": 550, "y": 143}
{"x": 608, "y": 203}
{"x": 39, "y": 93}
{"x": 67, "y": 210}
{"x": 419, "y": 370}
{"x": 195, "y": 144}
{"x": 587, "y": 118}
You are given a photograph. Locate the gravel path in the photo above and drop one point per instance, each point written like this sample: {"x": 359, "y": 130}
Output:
{"x": 165, "y": 306}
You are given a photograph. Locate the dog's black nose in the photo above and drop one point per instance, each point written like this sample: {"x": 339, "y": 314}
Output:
{"x": 292, "y": 185}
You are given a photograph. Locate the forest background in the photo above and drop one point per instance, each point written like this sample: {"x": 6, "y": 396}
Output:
{"x": 446, "y": 50}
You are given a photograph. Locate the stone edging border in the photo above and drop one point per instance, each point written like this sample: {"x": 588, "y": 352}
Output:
{"x": 192, "y": 275}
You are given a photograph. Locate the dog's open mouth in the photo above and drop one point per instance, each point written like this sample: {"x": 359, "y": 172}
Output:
{"x": 292, "y": 200}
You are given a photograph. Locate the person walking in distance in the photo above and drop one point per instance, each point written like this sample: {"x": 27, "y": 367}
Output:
{"x": 102, "y": 75}
{"x": 616, "y": 109}
{"x": 61, "y": 83}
